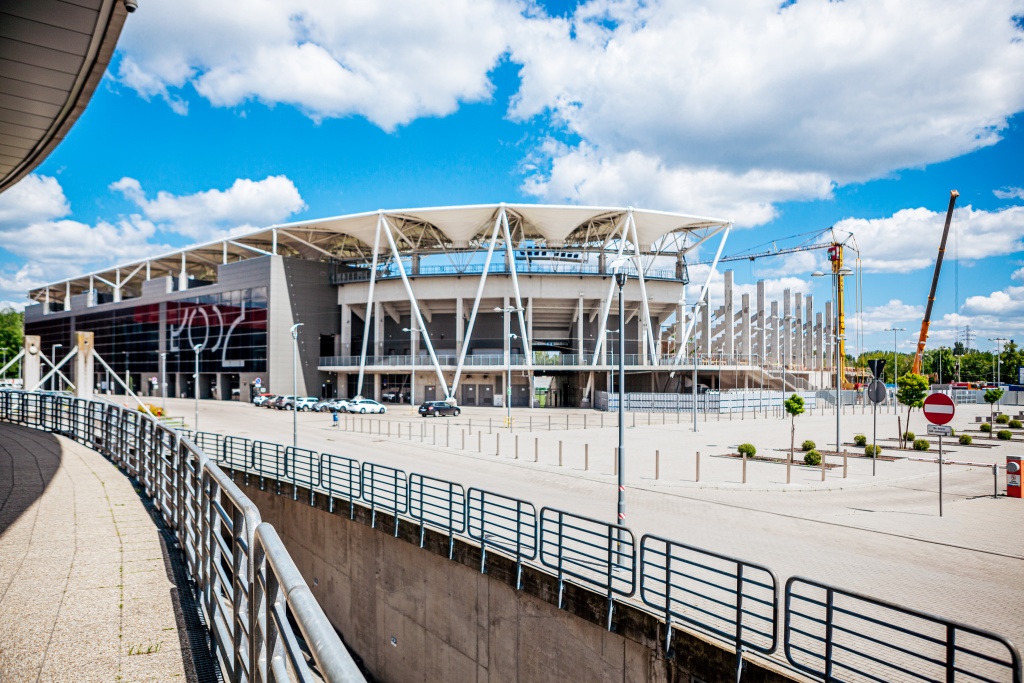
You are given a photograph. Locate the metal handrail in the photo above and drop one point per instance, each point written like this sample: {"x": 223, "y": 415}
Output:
{"x": 734, "y": 599}
{"x": 842, "y": 635}
{"x": 249, "y": 588}
{"x": 440, "y": 504}
{"x": 507, "y": 524}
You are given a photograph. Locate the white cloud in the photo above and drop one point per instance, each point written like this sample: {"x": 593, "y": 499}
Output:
{"x": 909, "y": 239}
{"x": 1017, "y": 274}
{"x": 390, "y": 62}
{"x": 880, "y": 318}
{"x": 213, "y": 213}
{"x": 35, "y": 198}
{"x": 582, "y": 175}
{"x": 1005, "y": 302}
{"x": 765, "y": 104}
{"x": 1009, "y": 193}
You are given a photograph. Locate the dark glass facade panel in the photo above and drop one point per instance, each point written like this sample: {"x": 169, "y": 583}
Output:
{"x": 231, "y": 326}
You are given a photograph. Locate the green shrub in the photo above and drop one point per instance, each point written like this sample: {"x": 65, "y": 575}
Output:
{"x": 966, "y": 440}
{"x": 808, "y": 446}
{"x": 985, "y": 427}
{"x": 1015, "y": 424}
{"x": 1002, "y": 419}
{"x": 921, "y": 444}
{"x": 860, "y": 440}
{"x": 1004, "y": 434}
{"x": 908, "y": 436}
{"x": 746, "y": 449}
{"x": 872, "y": 451}
{"x": 812, "y": 458}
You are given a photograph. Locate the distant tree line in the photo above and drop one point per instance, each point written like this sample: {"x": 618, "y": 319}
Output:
{"x": 12, "y": 334}
{"x": 955, "y": 364}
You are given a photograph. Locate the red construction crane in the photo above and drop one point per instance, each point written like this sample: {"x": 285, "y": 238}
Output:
{"x": 916, "y": 369}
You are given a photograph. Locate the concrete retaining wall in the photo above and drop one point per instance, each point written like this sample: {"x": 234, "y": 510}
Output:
{"x": 412, "y": 614}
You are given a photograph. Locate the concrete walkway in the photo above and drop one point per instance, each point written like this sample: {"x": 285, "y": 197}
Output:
{"x": 85, "y": 592}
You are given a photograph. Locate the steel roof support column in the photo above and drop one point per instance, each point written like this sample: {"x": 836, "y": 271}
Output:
{"x": 510, "y": 254}
{"x": 606, "y": 303}
{"x": 701, "y": 298}
{"x": 183, "y": 275}
{"x": 67, "y": 295}
{"x": 651, "y": 340}
{"x": 415, "y": 306}
{"x": 476, "y": 301}
{"x": 369, "y": 299}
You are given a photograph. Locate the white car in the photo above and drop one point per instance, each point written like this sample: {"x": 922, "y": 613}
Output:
{"x": 304, "y": 403}
{"x": 365, "y": 405}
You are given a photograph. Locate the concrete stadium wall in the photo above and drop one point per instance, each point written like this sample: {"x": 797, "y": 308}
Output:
{"x": 412, "y": 614}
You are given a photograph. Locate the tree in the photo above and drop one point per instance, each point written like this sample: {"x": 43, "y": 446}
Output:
{"x": 794, "y": 406}
{"x": 912, "y": 391}
{"x": 12, "y": 336}
{"x": 992, "y": 397}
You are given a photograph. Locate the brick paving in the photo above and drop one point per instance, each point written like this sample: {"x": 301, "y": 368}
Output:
{"x": 84, "y": 591}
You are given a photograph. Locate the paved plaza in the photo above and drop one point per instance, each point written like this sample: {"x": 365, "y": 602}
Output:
{"x": 880, "y": 535}
{"x": 84, "y": 591}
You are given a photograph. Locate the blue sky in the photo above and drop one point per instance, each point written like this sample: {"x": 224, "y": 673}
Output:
{"x": 791, "y": 119}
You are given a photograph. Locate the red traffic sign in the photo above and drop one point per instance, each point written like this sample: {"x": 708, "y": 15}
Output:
{"x": 939, "y": 409}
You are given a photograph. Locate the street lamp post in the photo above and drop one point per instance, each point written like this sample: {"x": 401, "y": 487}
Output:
{"x": 508, "y": 388}
{"x": 53, "y": 379}
{"x": 840, "y": 338}
{"x": 295, "y": 384}
{"x": 895, "y": 360}
{"x": 999, "y": 357}
{"x": 694, "y": 387}
{"x": 198, "y": 348}
{"x": 620, "y": 280}
{"x": 163, "y": 381}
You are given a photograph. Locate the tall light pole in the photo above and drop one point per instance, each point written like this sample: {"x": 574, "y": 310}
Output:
{"x": 694, "y": 387}
{"x": 620, "y": 280}
{"x": 53, "y": 379}
{"x": 412, "y": 352}
{"x": 198, "y": 348}
{"x": 508, "y": 389}
{"x": 295, "y": 384}
{"x": 163, "y": 381}
{"x": 999, "y": 357}
{"x": 837, "y": 277}
{"x": 895, "y": 358}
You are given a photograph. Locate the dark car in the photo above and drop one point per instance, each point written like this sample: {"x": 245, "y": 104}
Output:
{"x": 438, "y": 408}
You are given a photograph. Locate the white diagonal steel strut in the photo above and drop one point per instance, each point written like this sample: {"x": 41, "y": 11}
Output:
{"x": 369, "y": 302}
{"x": 12, "y": 362}
{"x": 510, "y": 253}
{"x": 425, "y": 336}
{"x": 468, "y": 335}
{"x": 651, "y": 342}
{"x": 701, "y": 297}
{"x": 603, "y": 329}
{"x": 56, "y": 369}
{"x": 128, "y": 390}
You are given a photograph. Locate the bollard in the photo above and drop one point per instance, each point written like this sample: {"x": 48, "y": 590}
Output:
{"x": 698, "y": 467}
{"x": 497, "y": 444}
{"x": 744, "y": 468}
{"x": 602, "y": 420}
{"x": 470, "y": 425}
{"x": 531, "y": 422}
{"x": 657, "y": 464}
{"x": 389, "y": 429}
{"x": 844, "y": 463}
{"x": 490, "y": 427}
{"x": 634, "y": 419}
{"x": 517, "y": 447}
{"x": 586, "y": 457}
{"x": 823, "y": 468}
{"x": 584, "y": 420}
{"x": 447, "y": 435}
{"x": 995, "y": 480}
{"x": 479, "y": 442}
{"x": 549, "y": 423}
{"x": 433, "y": 437}
{"x": 559, "y": 453}
{"x": 536, "y": 449}
{"x": 567, "y": 422}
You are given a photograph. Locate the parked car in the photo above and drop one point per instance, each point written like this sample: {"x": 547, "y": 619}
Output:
{"x": 438, "y": 408}
{"x": 260, "y": 399}
{"x": 284, "y": 402}
{"x": 365, "y": 405}
{"x": 271, "y": 401}
{"x": 304, "y": 403}
{"x": 338, "y": 405}
{"x": 322, "y": 405}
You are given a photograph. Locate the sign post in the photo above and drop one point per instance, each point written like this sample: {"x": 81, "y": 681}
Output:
{"x": 876, "y": 393}
{"x": 938, "y": 410}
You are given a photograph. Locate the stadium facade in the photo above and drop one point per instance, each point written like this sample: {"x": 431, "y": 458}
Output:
{"x": 465, "y": 295}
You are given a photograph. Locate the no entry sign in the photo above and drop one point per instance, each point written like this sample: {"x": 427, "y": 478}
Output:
{"x": 938, "y": 409}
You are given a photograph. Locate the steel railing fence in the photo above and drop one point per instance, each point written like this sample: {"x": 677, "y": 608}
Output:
{"x": 840, "y": 635}
{"x": 830, "y": 633}
{"x": 250, "y": 590}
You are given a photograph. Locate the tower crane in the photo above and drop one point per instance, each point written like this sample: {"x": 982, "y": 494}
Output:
{"x": 926, "y": 322}
{"x": 835, "y": 247}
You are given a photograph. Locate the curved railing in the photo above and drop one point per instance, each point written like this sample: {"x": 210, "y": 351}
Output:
{"x": 247, "y": 582}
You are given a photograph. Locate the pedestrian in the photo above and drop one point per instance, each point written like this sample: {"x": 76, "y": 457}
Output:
{"x": 334, "y": 416}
